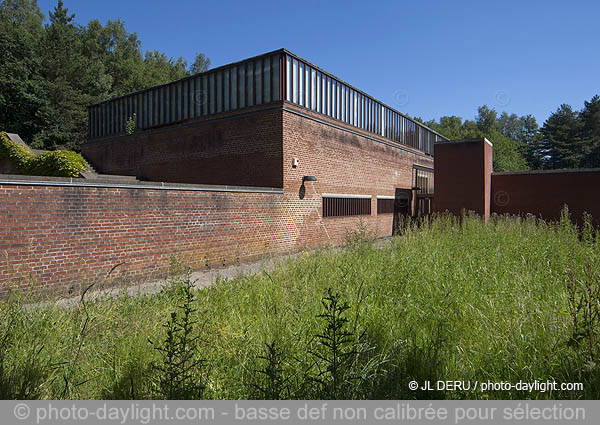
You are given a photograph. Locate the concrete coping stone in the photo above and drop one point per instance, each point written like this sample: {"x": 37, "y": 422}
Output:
{"x": 561, "y": 171}
{"x": 474, "y": 140}
{"x": 128, "y": 184}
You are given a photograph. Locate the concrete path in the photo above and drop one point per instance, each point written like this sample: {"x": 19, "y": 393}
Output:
{"x": 201, "y": 278}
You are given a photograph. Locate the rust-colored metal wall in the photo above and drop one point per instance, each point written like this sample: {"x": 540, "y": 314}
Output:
{"x": 544, "y": 193}
{"x": 463, "y": 176}
{"x": 464, "y": 181}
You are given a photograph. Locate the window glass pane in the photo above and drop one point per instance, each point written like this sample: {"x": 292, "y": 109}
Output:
{"x": 242, "y": 83}
{"x": 294, "y": 81}
{"x": 258, "y": 79}
{"x": 179, "y": 101}
{"x": 164, "y": 99}
{"x": 118, "y": 116}
{"x": 195, "y": 87}
{"x": 151, "y": 109}
{"x": 267, "y": 80}
{"x": 226, "y": 90}
{"x": 340, "y": 101}
{"x": 219, "y": 93}
{"x": 250, "y": 83}
{"x": 211, "y": 93}
{"x": 288, "y": 78}
{"x": 324, "y": 94}
{"x": 185, "y": 99}
{"x": 234, "y": 88}
{"x": 137, "y": 109}
{"x": 313, "y": 89}
{"x": 307, "y": 86}
{"x": 172, "y": 102}
{"x": 373, "y": 116}
{"x": 301, "y": 84}
{"x": 333, "y": 98}
{"x": 276, "y": 87}
{"x": 319, "y": 92}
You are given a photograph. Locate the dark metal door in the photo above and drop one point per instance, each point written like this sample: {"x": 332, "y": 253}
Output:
{"x": 402, "y": 208}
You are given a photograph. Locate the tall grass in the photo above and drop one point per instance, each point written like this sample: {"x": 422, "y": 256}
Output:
{"x": 449, "y": 299}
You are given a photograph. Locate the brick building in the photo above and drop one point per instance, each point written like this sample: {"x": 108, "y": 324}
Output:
{"x": 270, "y": 154}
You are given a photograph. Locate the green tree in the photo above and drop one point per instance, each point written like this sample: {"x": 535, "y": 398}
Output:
{"x": 201, "y": 64}
{"x": 25, "y": 14}
{"x": 486, "y": 119}
{"x": 531, "y": 141}
{"x": 51, "y": 73}
{"x": 69, "y": 75}
{"x": 507, "y": 153}
{"x": 21, "y": 85}
{"x": 561, "y": 139}
{"x": 160, "y": 69}
{"x": 589, "y": 119}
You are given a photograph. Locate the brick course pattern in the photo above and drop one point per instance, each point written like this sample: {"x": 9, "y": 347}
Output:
{"x": 227, "y": 149}
{"x": 344, "y": 162}
{"x": 59, "y": 238}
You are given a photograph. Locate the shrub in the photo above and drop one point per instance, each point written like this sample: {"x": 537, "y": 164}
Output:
{"x": 18, "y": 154}
{"x": 59, "y": 163}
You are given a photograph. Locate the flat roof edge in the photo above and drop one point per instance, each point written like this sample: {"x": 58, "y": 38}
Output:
{"x": 17, "y": 180}
{"x": 561, "y": 171}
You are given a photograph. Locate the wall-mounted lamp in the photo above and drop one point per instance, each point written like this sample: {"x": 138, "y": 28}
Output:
{"x": 308, "y": 179}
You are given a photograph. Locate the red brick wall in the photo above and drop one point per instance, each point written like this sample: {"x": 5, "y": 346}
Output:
{"x": 63, "y": 237}
{"x": 344, "y": 161}
{"x": 543, "y": 193}
{"x": 227, "y": 149}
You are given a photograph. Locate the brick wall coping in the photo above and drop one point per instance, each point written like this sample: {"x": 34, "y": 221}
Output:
{"x": 9, "y": 179}
{"x": 561, "y": 171}
{"x": 474, "y": 140}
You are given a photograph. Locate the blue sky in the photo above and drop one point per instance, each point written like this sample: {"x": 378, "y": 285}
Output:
{"x": 424, "y": 58}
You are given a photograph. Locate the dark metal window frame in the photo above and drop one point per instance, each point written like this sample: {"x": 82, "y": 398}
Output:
{"x": 346, "y": 205}
{"x": 385, "y": 205}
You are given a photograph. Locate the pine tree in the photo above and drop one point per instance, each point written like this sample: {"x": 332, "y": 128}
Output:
{"x": 68, "y": 75}
{"x": 590, "y": 132}
{"x": 561, "y": 139}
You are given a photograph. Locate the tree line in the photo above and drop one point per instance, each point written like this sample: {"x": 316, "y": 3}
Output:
{"x": 567, "y": 139}
{"x": 52, "y": 71}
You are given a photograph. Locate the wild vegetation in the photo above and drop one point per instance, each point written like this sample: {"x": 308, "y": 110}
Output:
{"x": 448, "y": 299}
